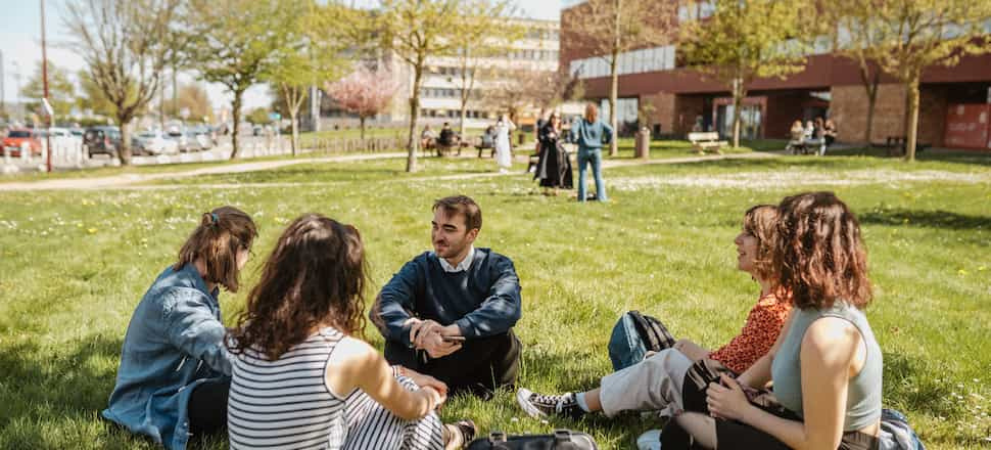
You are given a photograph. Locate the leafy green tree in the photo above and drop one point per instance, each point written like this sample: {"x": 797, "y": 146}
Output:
{"x": 258, "y": 116}
{"x": 486, "y": 30}
{"x": 235, "y": 43}
{"x": 193, "y": 99}
{"x": 415, "y": 30}
{"x": 91, "y": 98}
{"x": 61, "y": 91}
{"x": 744, "y": 41}
{"x": 612, "y": 27}
{"x": 909, "y": 36}
{"x": 125, "y": 46}
{"x": 312, "y": 55}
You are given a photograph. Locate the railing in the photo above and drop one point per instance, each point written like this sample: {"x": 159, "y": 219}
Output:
{"x": 353, "y": 145}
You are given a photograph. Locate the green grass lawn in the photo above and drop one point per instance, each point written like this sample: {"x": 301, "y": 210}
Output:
{"x": 74, "y": 265}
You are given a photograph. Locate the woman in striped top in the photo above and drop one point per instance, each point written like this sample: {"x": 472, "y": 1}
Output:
{"x": 301, "y": 379}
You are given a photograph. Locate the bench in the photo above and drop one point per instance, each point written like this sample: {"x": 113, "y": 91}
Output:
{"x": 895, "y": 145}
{"x": 706, "y": 141}
{"x": 482, "y": 144}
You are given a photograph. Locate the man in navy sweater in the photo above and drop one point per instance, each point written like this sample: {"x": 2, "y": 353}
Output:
{"x": 449, "y": 313}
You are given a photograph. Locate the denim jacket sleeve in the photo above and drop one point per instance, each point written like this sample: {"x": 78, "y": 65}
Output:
{"x": 195, "y": 328}
{"x": 395, "y": 303}
{"x": 607, "y": 133}
{"x": 501, "y": 309}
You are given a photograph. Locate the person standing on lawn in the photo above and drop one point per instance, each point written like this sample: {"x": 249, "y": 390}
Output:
{"x": 591, "y": 134}
{"x": 174, "y": 373}
{"x": 450, "y": 313}
{"x": 503, "y": 147}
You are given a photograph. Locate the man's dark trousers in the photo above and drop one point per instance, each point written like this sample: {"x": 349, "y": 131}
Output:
{"x": 481, "y": 366}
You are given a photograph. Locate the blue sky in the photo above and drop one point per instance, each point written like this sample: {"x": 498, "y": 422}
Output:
{"x": 20, "y": 42}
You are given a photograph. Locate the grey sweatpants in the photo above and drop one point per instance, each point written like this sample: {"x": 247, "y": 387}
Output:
{"x": 652, "y": 384}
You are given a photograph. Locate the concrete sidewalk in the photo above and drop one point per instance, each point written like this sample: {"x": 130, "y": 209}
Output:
{"x": 135, "y": 181}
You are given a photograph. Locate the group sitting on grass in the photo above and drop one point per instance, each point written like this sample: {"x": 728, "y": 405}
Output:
{"x": 295, "y": 371}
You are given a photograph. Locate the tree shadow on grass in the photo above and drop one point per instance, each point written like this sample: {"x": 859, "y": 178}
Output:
{"x": 68, "y": 385}
{"x": 970, "y": 157}
{"x": 929, "y": 219}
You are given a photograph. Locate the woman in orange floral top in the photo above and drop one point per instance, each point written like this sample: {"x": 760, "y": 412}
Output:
{"x": 657, "y": 382}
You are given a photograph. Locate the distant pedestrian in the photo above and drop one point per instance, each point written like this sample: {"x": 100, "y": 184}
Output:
{"x": 590, "y": 134}
{"x": 828, "y": 135}
{"x": 554, "y": 166}
{"x": 504, "y": 157}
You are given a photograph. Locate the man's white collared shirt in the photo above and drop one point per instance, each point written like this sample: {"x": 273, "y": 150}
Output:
{"x": 462, "y": 266}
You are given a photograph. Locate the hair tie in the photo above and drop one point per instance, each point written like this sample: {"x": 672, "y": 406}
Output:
{"x": 214, "y": 219}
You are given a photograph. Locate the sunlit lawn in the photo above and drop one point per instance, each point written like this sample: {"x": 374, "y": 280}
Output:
{"x": 74, "y": 264}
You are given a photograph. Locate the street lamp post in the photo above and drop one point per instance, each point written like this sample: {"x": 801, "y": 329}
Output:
{"x": 44, "y": 76}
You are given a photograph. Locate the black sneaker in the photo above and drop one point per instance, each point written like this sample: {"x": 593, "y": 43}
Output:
{"x": 465, "y": 430}
{"x": 538, "y": 405}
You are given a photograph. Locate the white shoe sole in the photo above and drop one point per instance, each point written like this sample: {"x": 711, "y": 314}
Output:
{"x": 523, "y": 399}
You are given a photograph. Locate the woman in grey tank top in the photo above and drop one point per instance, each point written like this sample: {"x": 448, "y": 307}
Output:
{"x": 826, "y": 366}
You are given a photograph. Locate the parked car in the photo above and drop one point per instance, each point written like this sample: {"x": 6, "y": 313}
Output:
{"x": 21, "y": 138}
{"x": 205, "y": 136}
{"x": 102, "y": 140}
{"x": 153, "y": 143}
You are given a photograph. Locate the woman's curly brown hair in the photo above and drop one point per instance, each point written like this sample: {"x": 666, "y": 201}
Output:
{"x": 315, "y": 277}
{"x": 761, "y": 222}
{"x": 820, "y": 256}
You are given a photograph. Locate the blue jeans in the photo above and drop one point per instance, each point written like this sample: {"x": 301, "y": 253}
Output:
{"x": 593, "y": 157}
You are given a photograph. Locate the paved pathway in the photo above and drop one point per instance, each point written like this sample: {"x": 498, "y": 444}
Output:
{"x": 135, "y": 181}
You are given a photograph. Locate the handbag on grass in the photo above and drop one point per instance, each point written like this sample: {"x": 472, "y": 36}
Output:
{"x": 633, "y": 336}
{"x": 560, "y": 440}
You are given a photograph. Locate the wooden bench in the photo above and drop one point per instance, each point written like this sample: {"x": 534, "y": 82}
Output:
{"x": 895, "y": 145}
{"x": 706, "y": 141}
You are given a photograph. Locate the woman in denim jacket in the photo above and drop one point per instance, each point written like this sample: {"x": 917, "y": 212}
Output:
{"x": 174, "y": 371}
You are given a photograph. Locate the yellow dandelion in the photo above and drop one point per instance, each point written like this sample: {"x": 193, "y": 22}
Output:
{"x": 91, "y": 231}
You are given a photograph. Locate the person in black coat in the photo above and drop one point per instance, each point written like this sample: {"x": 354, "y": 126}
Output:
{"x": 554, "y": 167}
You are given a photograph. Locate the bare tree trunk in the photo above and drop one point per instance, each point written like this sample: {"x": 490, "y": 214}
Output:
{"x": 870, "y": 85}
{"x": 361, "y": 121}
{"x": 737, "y": 105}
{"x": 913, "y": 120}
{"x": 412, "y": 143}
{"x": 124, "y": 152}
{"x": 464, "y": 112}
{"x": 614, "y": 83}
{"x": 294, "y": 140}
{"x": 236, "y": 115}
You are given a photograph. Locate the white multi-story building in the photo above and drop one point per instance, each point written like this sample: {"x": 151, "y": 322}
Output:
{"x": 440, "y": 91}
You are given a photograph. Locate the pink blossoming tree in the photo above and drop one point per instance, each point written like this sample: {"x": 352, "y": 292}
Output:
{"x": 364, "y": 92}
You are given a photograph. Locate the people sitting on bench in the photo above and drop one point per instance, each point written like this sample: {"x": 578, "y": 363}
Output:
{"x": 450, "y": 313}
{"x": 657, "y": 382}
{"x": 447, "y": 140}
{"x": 797, "y": 142}
{"x": 428, "y": 139}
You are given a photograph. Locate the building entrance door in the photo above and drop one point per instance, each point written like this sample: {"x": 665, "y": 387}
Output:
{"x": 750, "y": 121}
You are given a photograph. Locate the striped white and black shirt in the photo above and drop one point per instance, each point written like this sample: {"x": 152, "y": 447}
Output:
{"x": 286, "y": 403}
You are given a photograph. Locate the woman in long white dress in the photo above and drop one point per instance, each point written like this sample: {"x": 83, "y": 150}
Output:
{"x": 503, "y": 153}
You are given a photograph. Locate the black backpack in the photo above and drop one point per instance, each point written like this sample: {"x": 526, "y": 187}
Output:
{"x": 654, "y": 334}
{"x": 560, "y": 440}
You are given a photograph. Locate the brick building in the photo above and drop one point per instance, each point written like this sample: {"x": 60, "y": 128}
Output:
{"x": 955, "y": 102}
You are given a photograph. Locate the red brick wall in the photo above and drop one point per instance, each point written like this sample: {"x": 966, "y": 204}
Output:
{"x": 664, "y": 110}
{"x": 782, "y": 111}
{"x": 687, "y": 109}
{"x": 849, "y": 110}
